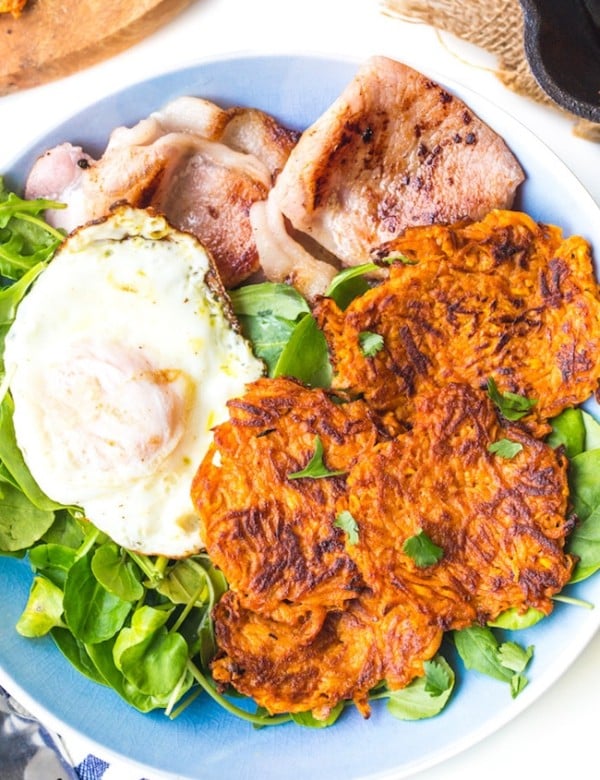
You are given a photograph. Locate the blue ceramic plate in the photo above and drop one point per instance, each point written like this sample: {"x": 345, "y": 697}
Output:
{"x": 205, "y": 742}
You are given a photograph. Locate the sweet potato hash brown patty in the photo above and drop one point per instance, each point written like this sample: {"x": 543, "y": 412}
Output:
{"x": 272, "y": 535}
{"x": 504, "y": 297}
{"x": 314, "y": 617}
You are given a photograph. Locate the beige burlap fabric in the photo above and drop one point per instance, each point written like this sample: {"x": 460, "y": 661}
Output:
{"x": 497, "y": 27}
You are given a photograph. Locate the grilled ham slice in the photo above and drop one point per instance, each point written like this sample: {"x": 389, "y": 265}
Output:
{"x": 395, "y": 149}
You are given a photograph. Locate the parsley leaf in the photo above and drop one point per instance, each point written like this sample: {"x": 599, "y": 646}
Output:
{"x": 511, "y": 405}
{"x": 315, "y": 468}
{"x": 480, "y": 650}
{"x": 505, "y": 448}
{"x": 422, "y": 550}
{"x": 398, "y": 257}
{"x": 347, "y": 523}
{"x": 425, "y": 696}
{"x": 370, "y": 343}
{"x": 350, "y": 284}
{"x": 438, "y": 678}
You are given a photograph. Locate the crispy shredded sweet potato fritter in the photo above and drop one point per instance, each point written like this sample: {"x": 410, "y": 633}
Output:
{"x": 14, "y": 7}
{"x": 332, "y": 619}
{"x": 271, "y": 535}
{"x": 504, "y": 297}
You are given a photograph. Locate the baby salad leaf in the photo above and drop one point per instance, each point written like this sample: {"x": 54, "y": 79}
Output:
{"x": 268, "y": 314}
{"x": 315, "y": 468}
{"x": 268, "y": 335}
{"x": 92, "y": 613}
{"x": 584, "y": 542}
{"x": 276, "y": 319}
{"x": 348, "y": 524}
{"x": 398, "y": 257}
{"x": 116, "y": 572}
{"x": 187, "y": 581}
{"x": 511, "y": 405}
{"x": 480, "y": 650}
{"x": 308, "y": 720}
{"x": 592, "y": 431}
{"x": 53, "y": 561}
{"x": 269, "y": 298}
{"x": 306, "y": 355}
{"x": 513, "y": 620}
{"x": 579, "y": 433}
{"x": 75, "y": 652}
{"x": 12, "y": 459}
{"x": 422, "y": 550}
{"x": 150, "y": 658}
{"x": 43, "y": 610}
{"x": 101, "y": 656}
{"x": 568, "y": 430}
{"x": 425, "y": 696}
{"x": 21, "y": 523}
{"x": 25, "y": 237}
{"x": 350, "y": 284}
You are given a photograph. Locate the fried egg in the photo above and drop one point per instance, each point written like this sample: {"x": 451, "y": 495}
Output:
{"x": 120, "y": 361}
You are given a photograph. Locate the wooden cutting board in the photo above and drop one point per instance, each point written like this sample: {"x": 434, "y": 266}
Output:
{"x": 53, "y": 38}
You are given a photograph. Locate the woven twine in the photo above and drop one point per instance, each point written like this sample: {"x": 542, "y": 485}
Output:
{"x": 497, "y": 27}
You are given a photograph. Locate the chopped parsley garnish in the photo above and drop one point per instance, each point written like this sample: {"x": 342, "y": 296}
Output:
{"x": 370, "y": 343}
{"x": 315, "y": 468}
{"x": 511, "y": 405}
{"x": 506, "y": 661}
{"x": 348, "y": 524}
{"x": 505, "y": 448}
{"x": 398, "y": 257}
{"x": 422, "y": 550}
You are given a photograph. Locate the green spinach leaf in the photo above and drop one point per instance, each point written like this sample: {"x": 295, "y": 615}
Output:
{"x": 426, "y": 696}
{"x": 480, "y": 650}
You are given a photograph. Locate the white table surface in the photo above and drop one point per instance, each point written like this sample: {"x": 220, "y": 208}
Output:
{"x": 557, "y": 736}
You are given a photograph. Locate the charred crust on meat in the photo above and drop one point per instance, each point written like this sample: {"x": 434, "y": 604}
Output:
{"x": 367, "y": 134}
{"x": 434, "y": 155}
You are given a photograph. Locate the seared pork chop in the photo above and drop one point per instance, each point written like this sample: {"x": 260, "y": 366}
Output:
{"x": 395, "y": 149}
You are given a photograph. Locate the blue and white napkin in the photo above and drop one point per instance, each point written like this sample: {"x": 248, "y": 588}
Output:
{"x": 29, "y": 751}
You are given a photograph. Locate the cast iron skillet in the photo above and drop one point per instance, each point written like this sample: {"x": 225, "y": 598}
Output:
{"x": 562, "y": 45}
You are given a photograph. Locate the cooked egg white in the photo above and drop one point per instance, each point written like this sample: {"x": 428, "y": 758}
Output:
{"x": 120, "y": 361}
